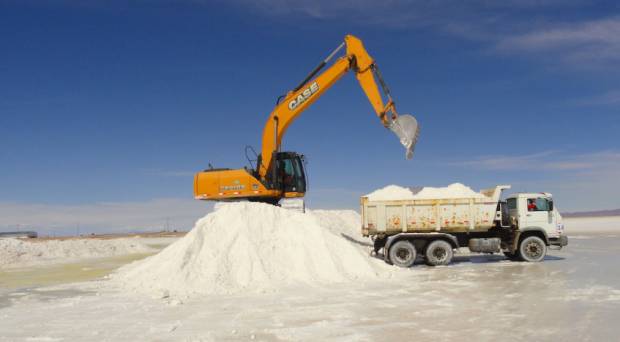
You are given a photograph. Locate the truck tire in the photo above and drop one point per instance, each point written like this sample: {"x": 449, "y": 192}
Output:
{"x": 438, "y": 252}
{"x": 532, "y": 249}
{"x": 403, "y": 253}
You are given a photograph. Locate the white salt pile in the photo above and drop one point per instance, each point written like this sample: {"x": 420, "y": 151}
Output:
{"x": 345, "y": 223}
{"x": 18, "y": 253}
{"x": 455, "y": 190}
{"x": 390, "y": 192}
{"x": 395, "y": 192}
{"x": 249, "y": 247}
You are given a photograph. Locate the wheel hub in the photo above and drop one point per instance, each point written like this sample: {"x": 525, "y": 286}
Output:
{"x": 403, "y": 254}
{"x": 439, "y": 253}
{"x": 533, "y": 250}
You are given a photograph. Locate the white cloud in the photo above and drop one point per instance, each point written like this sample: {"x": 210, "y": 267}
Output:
{"x": 547, "y": 161}
{"x": 323, "y": 9}
{"x": 397, "y": 9}
{"x": 520, "y": 162}
{"x": 526, "y": 27}
{"x": 587, "y": 181}
{"x": 594, "y": 41}
{"x": 152, "y": 215}
{"x": 529, "y": 27}
{"x": 611, "y": 97}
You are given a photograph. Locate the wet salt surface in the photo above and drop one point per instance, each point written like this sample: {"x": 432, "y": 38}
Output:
{"x": 63, "y": 272}
{"x": 41, "y": 295}
{"x": 574, "y": 295}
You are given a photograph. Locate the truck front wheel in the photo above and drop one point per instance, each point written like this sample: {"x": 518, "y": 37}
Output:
{"x": 532, "y": 249}
{"x": 403, "y": 253}
{"x": 438, "y": 253}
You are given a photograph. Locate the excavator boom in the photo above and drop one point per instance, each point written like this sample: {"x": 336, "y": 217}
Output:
{"x": 269, "y": 181}
{"x": 310, "y": 90}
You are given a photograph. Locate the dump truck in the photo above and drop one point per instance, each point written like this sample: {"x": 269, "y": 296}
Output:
{"x": 523, "y": 226}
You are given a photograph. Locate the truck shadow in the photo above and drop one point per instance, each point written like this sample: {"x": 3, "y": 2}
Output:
{"x": 473, "y": 259}
{"x": 483, "y": 259}
{"x": 477, "y": 259}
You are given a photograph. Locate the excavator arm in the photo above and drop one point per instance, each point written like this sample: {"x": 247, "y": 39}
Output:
{"x": 311, "y": 89}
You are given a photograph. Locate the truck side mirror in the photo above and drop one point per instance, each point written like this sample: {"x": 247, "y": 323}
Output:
{"x": 550, "y": 205}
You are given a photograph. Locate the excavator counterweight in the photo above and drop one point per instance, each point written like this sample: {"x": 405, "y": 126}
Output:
{"x": 278, "y": 174}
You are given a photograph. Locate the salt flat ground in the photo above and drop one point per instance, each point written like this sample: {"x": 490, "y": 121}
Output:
{"x": 574, "y": 295}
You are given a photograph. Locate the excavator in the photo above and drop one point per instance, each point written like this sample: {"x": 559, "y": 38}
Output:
{"x": 275, "y": 175}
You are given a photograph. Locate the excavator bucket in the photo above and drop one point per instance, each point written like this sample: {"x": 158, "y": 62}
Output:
{"x": 406, "y": 129}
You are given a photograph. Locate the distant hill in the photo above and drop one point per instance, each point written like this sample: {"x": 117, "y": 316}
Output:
{"x": 599, "y": 213}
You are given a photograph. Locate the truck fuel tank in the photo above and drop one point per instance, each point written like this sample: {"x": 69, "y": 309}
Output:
{"x": 485, "y": 245}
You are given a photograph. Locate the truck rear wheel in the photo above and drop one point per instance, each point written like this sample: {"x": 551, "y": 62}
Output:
{"x": 403, "y": 253}
{"x": 532, "y": 249}
{"x": 438, "y": 252}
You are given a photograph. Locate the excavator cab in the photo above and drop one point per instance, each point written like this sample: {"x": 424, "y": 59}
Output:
{"x": 288, "y": 174}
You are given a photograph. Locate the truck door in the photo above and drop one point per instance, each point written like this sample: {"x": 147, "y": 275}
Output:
{"x": 539, "y": 213}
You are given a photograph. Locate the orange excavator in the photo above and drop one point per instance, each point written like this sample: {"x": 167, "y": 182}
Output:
{"x": 273, "y": 174}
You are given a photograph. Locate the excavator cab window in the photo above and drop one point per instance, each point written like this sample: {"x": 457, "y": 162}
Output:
{"x": 291, "y": 175}
{"x": 301, "y": 183}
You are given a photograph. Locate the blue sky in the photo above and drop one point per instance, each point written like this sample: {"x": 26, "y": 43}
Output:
{"x": 107, "y": 108}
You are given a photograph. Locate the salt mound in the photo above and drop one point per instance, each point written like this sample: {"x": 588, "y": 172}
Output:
{"x": 390, "y": 192}
{"x": 248, "y": 247}
{"x": 395, "y": 192}
{"x": 455, "y": 190}
{"x": 17, "y": 253}
{"x": 344, "y": 223}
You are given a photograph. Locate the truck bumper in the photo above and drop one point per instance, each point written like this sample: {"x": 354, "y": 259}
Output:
{"x": 559, "y": 241}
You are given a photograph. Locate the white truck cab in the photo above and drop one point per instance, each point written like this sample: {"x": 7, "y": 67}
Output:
{"x": 536, "y": 211}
